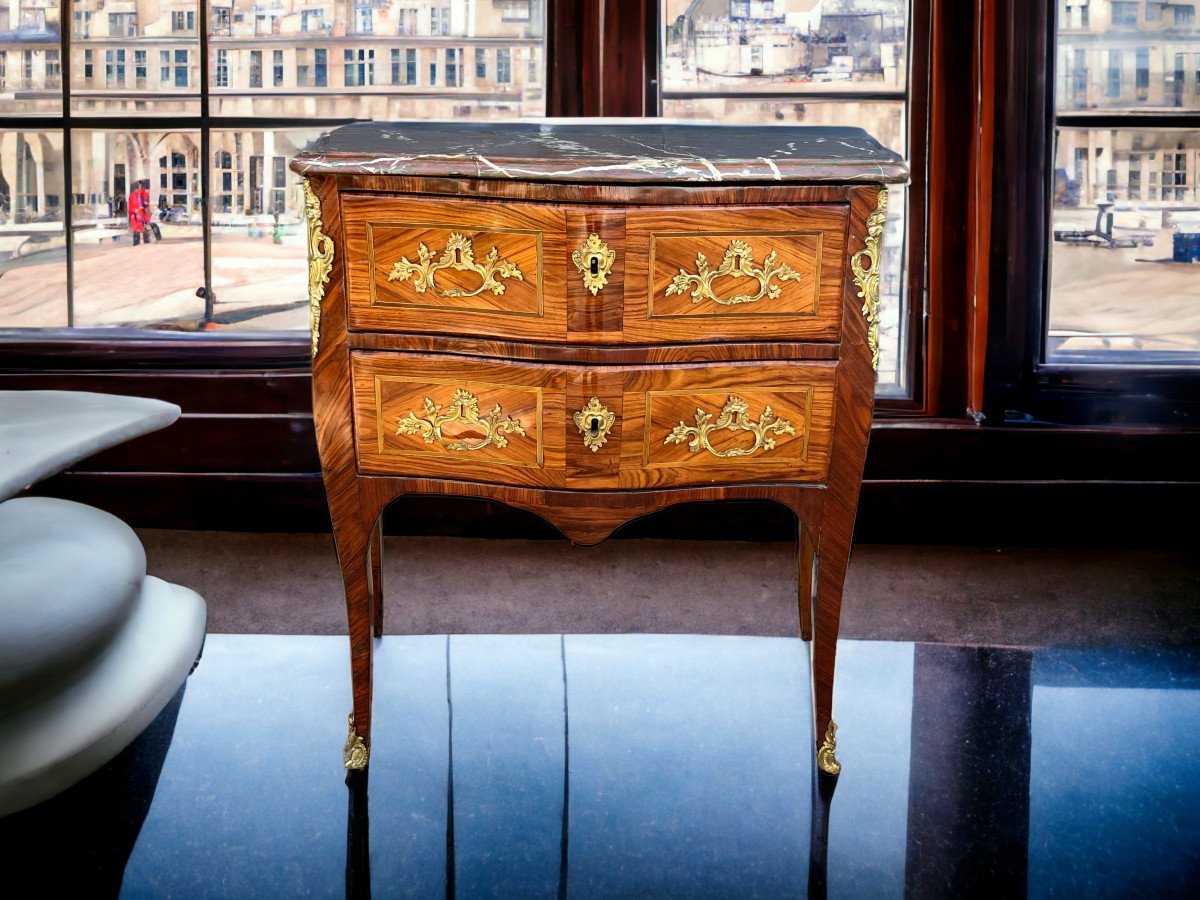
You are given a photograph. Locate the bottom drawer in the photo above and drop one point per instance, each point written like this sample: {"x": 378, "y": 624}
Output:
{"x": 592, "y": 427}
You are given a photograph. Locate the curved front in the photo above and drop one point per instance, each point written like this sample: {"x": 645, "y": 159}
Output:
{"x": 592, "y": 427}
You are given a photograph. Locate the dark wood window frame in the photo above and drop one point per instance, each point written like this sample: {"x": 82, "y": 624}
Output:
{"x": 1021, "y": 387}
{"x": 944, "y": 466}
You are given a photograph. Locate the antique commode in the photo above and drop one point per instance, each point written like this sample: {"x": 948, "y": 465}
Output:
{"x": 593, "y": 321}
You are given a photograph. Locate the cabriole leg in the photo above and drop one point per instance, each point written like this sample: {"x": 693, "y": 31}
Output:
{"x": 352, "y": 544}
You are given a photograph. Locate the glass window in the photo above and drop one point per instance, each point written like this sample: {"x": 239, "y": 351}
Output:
{"x": 503, "y": 66}
{"x": 132, "y": 37}
{"x": 1125, "y": 254}
{"x": 1125, "y": 14}
{"x": 321, "y": 72}
{"x": 259, "y": 248}
{"x": 137, "y": 211}
{"x": 33, "y": 262}
{"x": 758, "y": 62}
{"x": 480, "y": 63}
{"x": 135, "y": 64}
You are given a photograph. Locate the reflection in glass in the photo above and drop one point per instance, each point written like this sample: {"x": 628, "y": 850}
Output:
{"x": 790, "y": 46}
{"x": 139, "y": 253}
{"x": 1141, "y": 56}
{"x": 1125, "y": 260}
{"x": 135, "y": 58}
{"x": 725, "y": 60}
{"x": 884, "y": 120}
{"x": 259, "y": 275}
{"x": 30, "y": 57}
{"x": 33, "y": 269}
{"x": 371, "y": 60}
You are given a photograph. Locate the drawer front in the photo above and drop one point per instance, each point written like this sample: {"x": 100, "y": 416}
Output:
{"x": 465, "y": 268}
{"x": 463, "y": 419}
{"x": 727, "y": 424}
{"x": 703, "y": 273}
{"x": 592, "y": 428}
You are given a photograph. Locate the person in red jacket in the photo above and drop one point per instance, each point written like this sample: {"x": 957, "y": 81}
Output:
{"x": 137, "y": 222}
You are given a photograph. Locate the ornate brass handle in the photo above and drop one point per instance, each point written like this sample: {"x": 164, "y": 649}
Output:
{"x": 734, "y": 416}
{"x": 595, "y": 261}
{"x": 595, "y": 421}
{"x": 460, "y": 256}
{"x": 464, "y": 407}
{"x": 738, "y": 260}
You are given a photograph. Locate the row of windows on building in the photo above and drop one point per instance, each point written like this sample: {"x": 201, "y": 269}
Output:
{"x": 1151, "y": 176}
{"x": 222, "y": 20}
{"x": 141, "y": 69}
{"x": 1177, "y": 75}
{"x": 404, "y": 67}
{"x": 1130, "y": 14}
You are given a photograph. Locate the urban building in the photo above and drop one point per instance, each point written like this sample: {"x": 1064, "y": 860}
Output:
{"x": 294, "y": 60}
{"x": 1131, "y": 60}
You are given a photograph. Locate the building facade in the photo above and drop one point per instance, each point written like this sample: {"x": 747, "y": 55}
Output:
{"x": 1136, "y": 58}
{"x": 301, "y": 60}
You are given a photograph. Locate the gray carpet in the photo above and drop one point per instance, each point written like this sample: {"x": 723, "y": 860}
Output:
{"x": 289, "y": 584}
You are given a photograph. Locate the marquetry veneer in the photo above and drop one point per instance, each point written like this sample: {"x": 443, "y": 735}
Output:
{"x": 593, "y": 322}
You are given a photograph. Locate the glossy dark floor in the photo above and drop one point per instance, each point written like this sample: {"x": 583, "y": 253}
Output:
{"x": 645, "y": 766}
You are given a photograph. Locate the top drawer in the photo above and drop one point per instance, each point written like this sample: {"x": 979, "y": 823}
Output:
{"x": 450, "y": 266}
{"x": 527, "y": 271}
{"x": 742, "y": 273}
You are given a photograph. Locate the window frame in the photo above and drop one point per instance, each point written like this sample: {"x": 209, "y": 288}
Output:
{"x": 1021, "y": 386}
{"x": 619, "y": 75}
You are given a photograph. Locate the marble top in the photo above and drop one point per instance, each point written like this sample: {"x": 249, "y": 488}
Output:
{"x": 44, "y": 432}
{"x": 604, "y": 150}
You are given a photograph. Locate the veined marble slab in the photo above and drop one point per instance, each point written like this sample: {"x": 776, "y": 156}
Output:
{"x": 632, "y": 151}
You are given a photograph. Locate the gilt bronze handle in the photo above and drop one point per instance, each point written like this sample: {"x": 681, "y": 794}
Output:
{"x": 738, "y": 260}
{"x": 464, "y": 407}
{"x": 734, "y": 416}
{"x": 460, "y": 256}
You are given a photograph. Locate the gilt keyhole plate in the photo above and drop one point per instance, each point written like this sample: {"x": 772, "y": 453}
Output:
{"x": 594, "y": 261}
{"x": 594, "y": 422}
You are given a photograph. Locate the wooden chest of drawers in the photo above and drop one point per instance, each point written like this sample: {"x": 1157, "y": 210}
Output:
{"x": 592, "y": 322}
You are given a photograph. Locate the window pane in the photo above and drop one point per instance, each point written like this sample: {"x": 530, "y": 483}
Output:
{"x": 787, "y": 46}
{"x": 134, "y": 58}
{"x": 259, "y": 245}
{"x": 139, "y": 256}
{"x": 884, "y": 120}
{"x": 382, "y": 61}
{"x": 33, "y": 259}
{"x": 1125, "y": 260}
{"x": 30, "y": 57}
{"x": 786, "y": 62}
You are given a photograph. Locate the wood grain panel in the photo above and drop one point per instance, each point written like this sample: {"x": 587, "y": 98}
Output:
{"x": 596, "y": 316}
{"x": 649, "y": 402}
{"x": 800, "y": 302}
{"x": 381, "y": 232}
{"x": 796, "y": 429}
{"x": 394, "y": 394}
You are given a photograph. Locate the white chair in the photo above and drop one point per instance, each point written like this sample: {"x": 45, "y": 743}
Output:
{"x": 91, "y": 648}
